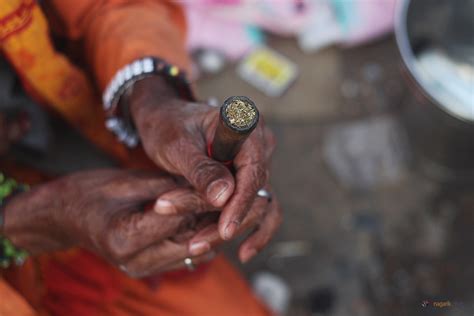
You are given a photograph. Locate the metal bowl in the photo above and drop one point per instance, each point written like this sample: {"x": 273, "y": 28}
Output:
{"x": 436, "y": 44}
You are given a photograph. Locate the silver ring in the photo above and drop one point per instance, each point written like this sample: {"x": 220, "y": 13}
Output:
{"x": 265, "y": 194}
{"x": 188, "y": 262}
{"x": 123, "y": 268}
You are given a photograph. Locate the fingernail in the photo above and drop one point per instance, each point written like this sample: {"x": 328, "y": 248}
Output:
{"x": 217, "y": 192}
{"x": 199, "y": 248}
{"x": 164, "y": 207}
{"x": 230, "y": 230}
{"x": 247, "y": 255}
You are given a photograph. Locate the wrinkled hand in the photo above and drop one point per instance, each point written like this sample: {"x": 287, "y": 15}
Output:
{"x": 264, "y": 218}
{"x": 175, "y": 134}
{"x": 103, "y": 211}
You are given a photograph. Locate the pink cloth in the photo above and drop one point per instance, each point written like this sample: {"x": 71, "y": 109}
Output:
{"x": 222, "y": 25}
{"x": 374, "y": 18}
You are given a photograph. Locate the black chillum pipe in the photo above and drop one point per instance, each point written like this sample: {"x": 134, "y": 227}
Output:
{"x": 229, "y": 135}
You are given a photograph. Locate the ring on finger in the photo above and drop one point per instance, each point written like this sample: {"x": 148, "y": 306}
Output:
{"x": 197, "y": 261}
{"x": 265, "y": 194}
{"x": 188, "y": 262}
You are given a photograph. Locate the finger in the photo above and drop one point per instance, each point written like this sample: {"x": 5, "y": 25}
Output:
{"x": 262, "y": 235}
{"x": 210, "y": 238}
{"x": 202, "y": 221}
{"x": 249, "y": 179}
{"x": 163, "y": 257}
{"x": 205, "y": 240}
{"x": 270, "y": 144}
{"x": 155, "y": 258}
{"x": 209, "y": 177}
{"x": 182, "y": 201}
{"x": 132, "y": 232}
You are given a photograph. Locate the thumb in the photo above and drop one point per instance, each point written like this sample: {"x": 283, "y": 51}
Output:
{"x": 209, "y": 177}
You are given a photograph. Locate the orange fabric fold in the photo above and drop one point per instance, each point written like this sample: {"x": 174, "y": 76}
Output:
{"x": 86, "y": 285}
{"x": 116, "y": 32}
{"x": 112, "y": 33}
{"x": 12, "y": 303}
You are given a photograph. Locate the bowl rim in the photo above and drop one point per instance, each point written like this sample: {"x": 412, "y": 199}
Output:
{"x": 408, "y": 58}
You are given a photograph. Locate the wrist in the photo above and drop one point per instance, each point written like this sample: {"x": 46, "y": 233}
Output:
{"x": 151, "y": 92}
{"x": 159, "y": 79}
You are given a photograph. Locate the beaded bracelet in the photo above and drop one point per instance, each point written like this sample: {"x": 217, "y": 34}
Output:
{"x": 9, "y": 254}
{"x": 118, "y": 119}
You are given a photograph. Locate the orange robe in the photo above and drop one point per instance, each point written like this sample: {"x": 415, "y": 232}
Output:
{"x": 107, "y": 34}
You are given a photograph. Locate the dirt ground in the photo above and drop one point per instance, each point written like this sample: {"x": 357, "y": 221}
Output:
{"x": 367, "y": 230}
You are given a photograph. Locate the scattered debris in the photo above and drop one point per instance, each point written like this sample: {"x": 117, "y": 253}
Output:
{"x": 273, "y": 290}
{"x": 366, "y": 153}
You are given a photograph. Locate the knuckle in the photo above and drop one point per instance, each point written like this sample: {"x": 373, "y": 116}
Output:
{"x": 205, "y": 170}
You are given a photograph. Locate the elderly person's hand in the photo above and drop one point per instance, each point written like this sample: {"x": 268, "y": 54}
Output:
{"x": 264, "y": 218}
{"x": 103, "y": 211}
{"x": 175, "y": 134}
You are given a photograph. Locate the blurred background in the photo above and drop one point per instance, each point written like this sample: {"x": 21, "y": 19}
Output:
{"x": 372, "y": 103}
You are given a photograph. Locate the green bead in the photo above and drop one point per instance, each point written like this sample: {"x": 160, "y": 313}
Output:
{"x": 3, "y": 192}
{"x": 9, "y": 251}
